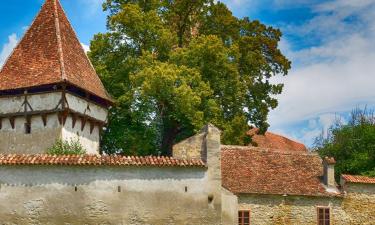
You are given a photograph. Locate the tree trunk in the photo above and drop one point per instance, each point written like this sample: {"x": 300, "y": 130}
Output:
{"x": 169, "y": 136}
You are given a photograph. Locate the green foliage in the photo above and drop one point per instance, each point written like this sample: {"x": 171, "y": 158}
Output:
{"x": 174, "y": 66}
{"x": 351, "y": 144}
{"x": 63, "y": 147}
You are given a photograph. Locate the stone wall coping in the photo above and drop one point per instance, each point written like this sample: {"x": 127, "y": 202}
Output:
{"x": 97, "y": 160}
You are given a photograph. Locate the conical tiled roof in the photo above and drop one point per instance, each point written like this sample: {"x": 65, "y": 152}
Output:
{"x": 50, "y": 53}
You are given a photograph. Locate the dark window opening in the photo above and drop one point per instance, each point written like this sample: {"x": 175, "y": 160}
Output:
{"x": 324, "y": 216}
{"x": 244, "y": 217}
{"x": 27, "y": 128}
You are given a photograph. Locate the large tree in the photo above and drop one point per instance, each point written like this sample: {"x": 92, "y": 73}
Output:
{"x": 175, "y": 65}
{"x": 352, "y": 144}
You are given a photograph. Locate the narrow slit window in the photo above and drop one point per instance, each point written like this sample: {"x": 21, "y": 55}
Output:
{"x": 28, "y": 127}
{"x": 324, "y": 217}
{"x": 244, "y": 217}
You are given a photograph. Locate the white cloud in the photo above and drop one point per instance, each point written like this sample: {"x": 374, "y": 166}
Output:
{"x": 334, "y": 76}
{"x": 8, "y": 48}
{"x": 85, "y": 47}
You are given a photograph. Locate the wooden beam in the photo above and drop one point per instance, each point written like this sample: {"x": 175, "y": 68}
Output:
{"x": 44, "y": 118}
{"x": 74, "y": 119}
{"x": 92, "y": 126}
{"x": 48, "y": 112}
{"x": 11, "y": 121}
{"x": 83, "y": 122}
{"x": 33, "y": 113}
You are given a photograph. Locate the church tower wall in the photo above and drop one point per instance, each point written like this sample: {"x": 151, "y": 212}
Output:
{"x": 32, "y": 123}
{"x": 14, "y": 140}
{"x": 49, "y": 90}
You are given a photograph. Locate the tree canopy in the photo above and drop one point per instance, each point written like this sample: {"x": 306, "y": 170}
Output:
{"x": 352, "y": 144}
{"x": 175, "y": 65}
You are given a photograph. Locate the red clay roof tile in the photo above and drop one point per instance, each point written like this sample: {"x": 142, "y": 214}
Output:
{"x": 275, "y": 141}
{"x": 358, "y": 179}
{"x": 94, "y": 160}
{"x": 251, "y": 170}
{"x": 50, "y": 53}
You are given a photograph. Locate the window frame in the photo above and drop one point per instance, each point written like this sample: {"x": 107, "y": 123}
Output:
{"x": 242, "y": 211}
{"x": 324, "y": 214}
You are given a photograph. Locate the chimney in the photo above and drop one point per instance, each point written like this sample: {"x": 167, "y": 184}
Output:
{"x": 329, "y": 171}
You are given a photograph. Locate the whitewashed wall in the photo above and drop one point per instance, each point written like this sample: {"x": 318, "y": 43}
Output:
{"x": 148, "y": 195}
{"x": 41, "y": 137}
{"x": 38, "y": 102}
{"x": 14, "y": 140}
{"x": 89, "y": 141}
{"x": 88, "y": 108}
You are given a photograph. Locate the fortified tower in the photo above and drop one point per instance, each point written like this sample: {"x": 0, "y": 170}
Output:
{"x": 49, "y": 90}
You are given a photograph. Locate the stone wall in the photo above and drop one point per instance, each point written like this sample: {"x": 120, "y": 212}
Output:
{"x": 359, "y": 203}
{"x": 191, "y": 148}
{"x": 356, "y": 207}
{"x": 105, "y": 195}
{"x": 279, "y": 210}
{"x": 206, "y": 146}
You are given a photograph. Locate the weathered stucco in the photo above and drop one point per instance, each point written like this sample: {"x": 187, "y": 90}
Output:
{"x": 85, "y": 107}
{"x": 157, "y": 196}
{"x": 150, "y": 195}
{"x": 90, "y": 141}
{"x": 229, "y": 207}
{"x": 38, "y": 102}
{"x": 42, "y": 137}
{"x": 206, "y": 146}
{"x": 15, "y": 140}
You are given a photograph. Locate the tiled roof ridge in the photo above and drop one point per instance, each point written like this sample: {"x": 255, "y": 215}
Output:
{"x": 269, "y": 150}
{"x": 97, "y": 160}
{"x": 358, "y": 179}
{"x": 59, "y": 42}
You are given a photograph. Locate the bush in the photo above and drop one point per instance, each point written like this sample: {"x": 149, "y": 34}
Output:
{"x": 62, "y": 147}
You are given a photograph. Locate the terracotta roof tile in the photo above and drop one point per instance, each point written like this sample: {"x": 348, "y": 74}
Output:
{"x": 94, "y": 160}
{"x": 50, "y": 53}
{"x": 250, "y": 170}
{"x": 358, "y": 179}
{"x": 275, "y": 141}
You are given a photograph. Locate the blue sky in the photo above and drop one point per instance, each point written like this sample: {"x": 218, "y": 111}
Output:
{"x": 331, "y": 44}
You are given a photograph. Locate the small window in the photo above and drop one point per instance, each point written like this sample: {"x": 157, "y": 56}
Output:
{"x": 324, "y": 217}
{"x": 27, "y": 128}
{"x": 244, "y": 217}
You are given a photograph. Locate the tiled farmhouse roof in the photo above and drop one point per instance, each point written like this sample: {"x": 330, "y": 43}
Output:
{"x": 97, "y": 160}
{"x": 275, "y": 141}
{"x": 250, "y": 170}
{"x": 358, "y": 179}
{"x": 50, "y": 53}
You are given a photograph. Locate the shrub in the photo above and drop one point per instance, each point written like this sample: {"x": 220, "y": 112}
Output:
{"x": 63, "y": 147}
